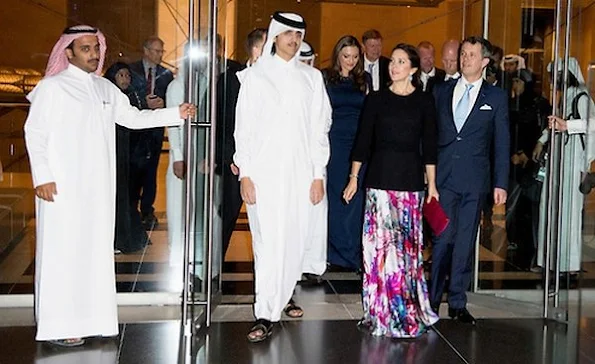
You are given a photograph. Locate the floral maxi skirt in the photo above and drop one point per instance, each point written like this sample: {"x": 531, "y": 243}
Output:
{"x": 395, "y": 293}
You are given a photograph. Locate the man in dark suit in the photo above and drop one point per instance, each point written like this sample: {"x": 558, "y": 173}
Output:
{"x": 374, "y": 62}
{"x": 150, "y": 81}
{"x": 472, "y": 118}
{"x": 430, "y": 75}
{"x": 228, "y": 88}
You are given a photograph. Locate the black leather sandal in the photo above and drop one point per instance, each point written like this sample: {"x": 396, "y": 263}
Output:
{"x": 292, "y": 310}
{"x": 262, "y": 325}
{"x": 68, "y": 343}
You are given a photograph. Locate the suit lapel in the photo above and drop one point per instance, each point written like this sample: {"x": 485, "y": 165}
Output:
{"x": 451, "y": 118}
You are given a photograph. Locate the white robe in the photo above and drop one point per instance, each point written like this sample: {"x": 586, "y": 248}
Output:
{"x": 283, "y": 116}
{"x": 175, "y": 185}
{"x": 576, "y": 161}
{"x": 175, "y": 189}
{"x": 70, "y": 137}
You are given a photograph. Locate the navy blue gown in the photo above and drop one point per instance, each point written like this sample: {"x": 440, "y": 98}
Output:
{"x": 345, "y": 221}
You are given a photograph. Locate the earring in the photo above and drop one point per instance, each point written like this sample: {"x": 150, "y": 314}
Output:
{"x": 411, "y": 77}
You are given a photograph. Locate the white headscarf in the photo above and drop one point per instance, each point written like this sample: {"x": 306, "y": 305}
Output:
{"x": 573, "y": 67}
{"x": 282, "y": 22}
{"x": 307, "y": 53}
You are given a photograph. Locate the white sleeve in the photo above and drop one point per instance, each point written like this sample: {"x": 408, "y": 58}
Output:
{"x": 545, "y": 136}
{"x": 39, "y": 127}
{"x": 321, "y": 123}
{"x": 579, "y": 126}
{"x": 175, "y": 134}
{"x": 133, "y": 118}
{"x": 243, "y": 130}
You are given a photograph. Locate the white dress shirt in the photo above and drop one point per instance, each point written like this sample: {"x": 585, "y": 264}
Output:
{"x": 454, "y": 76}
{"x": 153, "y": 67}
{"x": 426, "y": 76}
{"x": 460, "y": 90}
{"x": 375, "y": 72}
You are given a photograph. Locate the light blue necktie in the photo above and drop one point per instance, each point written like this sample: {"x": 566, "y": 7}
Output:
{"x": 463, "y": 108}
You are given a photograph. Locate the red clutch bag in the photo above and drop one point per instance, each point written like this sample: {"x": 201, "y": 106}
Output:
{"x": 435, "y": 216}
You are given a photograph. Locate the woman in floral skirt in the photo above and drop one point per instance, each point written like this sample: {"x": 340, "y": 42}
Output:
{"x": 397, "y": 139}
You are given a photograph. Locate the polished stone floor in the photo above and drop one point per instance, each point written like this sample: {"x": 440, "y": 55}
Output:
{"x": 498, "y": 341}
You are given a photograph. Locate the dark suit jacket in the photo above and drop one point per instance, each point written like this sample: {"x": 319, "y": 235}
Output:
{"x": 383, "y": 73}
{"x": 228, "y": 89}
{"x": 436, "y": 80}
{"x": 148, "y": 140}
{"x": 163, "y": 77}
{"x": 464, "y": 158}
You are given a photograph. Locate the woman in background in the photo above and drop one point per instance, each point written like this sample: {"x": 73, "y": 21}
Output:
{"x": 130, "y": 234}
{"x": 347, "y": 84}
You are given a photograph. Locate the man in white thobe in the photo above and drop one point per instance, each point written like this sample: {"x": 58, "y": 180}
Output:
{"x": 316, "y": 249}
{"x": 283, "y": 116}
{"x": 70, "y": 137}
{"x": 307, "y": 55}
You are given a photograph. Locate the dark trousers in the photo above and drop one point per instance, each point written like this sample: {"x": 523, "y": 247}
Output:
{"x": 231, "y": 205}
{"x": 143, "y": 170}
{"x": 452, "y": 253}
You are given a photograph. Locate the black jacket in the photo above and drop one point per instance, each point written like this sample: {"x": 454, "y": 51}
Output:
{"x": 228, "y": 89}
{"x": 163, "y": 77}
{"x": 437, "y": 79}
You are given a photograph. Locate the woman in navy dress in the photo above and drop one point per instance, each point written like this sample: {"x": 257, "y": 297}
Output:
{"x": 347, "y": 85}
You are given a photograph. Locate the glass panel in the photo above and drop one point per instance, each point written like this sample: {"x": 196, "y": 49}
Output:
{"x": 207, "y": 185}
{"x": 586, "y": 316}
{"x": 573, "y": 101}
{"x": 507, "y": 256}
{"x": 151, "y": 259}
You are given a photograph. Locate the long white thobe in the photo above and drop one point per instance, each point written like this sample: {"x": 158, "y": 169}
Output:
{"x": 70, "y": 137}
{"x": 578, "y": 155}
{"x": 175, "y": 189}
{"x": 175, "y": 185}
{"x": 283, "y": 116}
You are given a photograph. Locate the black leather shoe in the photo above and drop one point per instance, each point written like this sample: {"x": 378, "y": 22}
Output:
{"x": 462, "y": 315}
{"x": 149, "y": 221}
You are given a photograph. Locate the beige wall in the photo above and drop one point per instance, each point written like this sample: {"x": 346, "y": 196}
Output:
{"x": 172, "y": 27}
{"x": 125, "y": 23}
{"x": 397, "y": 24}
{"x": 28, "y": 32}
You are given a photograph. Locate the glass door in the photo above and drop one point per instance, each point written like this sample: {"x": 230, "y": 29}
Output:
{"x": 506, "y": 259}
{"x": 202, "y": 235}
{"x": 585, "y": 318}
{"x": 149, "y": 265}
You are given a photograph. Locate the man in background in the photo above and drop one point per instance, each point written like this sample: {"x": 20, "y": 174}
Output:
{"x": 228, "y": 88}
{"x": 430, "y": 75}
{"x": 374, "y": 62}
{"x": 150, "y": 80}
{"x": 450, "y": 59}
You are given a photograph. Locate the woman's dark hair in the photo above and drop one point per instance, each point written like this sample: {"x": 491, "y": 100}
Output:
{"x": 111, "y": 72}
{"x": 413, "y": 58}
{"x": 333, "y": 72}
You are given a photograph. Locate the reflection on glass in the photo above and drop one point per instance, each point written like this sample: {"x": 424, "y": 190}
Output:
{"x": 98, "y": 352}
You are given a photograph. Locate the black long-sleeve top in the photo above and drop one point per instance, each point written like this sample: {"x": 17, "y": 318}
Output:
{"x": 397, "y": 138}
